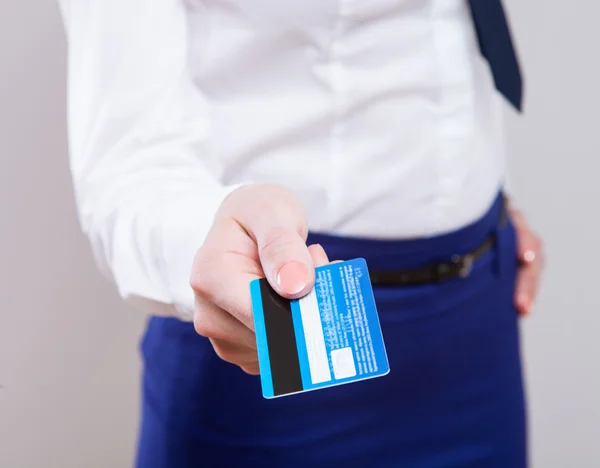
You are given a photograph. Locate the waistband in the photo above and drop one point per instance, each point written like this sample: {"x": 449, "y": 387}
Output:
{"x": 403, "y": 254}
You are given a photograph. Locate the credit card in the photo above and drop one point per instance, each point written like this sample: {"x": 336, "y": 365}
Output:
{"x": 332, "y": 336}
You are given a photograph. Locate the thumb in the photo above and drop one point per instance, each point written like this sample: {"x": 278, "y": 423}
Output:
{"x": 275, "y": 219}
{"x": 286, "y": 262}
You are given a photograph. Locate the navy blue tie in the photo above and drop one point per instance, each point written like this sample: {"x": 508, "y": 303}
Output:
{"x": 497, "y": 47}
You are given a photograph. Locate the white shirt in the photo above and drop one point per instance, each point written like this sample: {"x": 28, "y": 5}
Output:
{"x": 381, "y": 115}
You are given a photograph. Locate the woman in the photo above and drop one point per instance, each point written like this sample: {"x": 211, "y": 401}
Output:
{"x": 229, "y": 140}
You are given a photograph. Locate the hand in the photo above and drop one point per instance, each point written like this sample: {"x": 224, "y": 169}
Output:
{"x": 531, "y": 258}
{"x": 259, "y": 231}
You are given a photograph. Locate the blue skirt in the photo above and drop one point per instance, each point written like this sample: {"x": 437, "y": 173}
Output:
{"x": 454, "y": 396}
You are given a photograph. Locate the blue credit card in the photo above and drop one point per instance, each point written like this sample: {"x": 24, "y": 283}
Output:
{"x": 331, "y": 336}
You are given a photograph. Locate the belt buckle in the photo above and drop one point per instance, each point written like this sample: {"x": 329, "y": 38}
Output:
{"x": 464, "y": 264}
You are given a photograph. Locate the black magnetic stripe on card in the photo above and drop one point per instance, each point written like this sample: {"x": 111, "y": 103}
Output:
{"x": 281, "y": 341}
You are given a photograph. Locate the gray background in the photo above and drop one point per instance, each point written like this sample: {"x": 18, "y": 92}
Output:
{"x": 69, "y": 365}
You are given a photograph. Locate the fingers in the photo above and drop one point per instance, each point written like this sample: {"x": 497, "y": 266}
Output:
{"x": 526, "y": 291}
{"x": 213, "y": 322}
{"x": 531, "y": 258}
{"x": 318, "y": 255}
{"x": 232, "y": 341}
{"x": 241, "y": 356}
{"x": 528, "y": 279}
{"x": 259, "y": 230}
{"x": 225, "y": 285}
{"x": 252, "y": 369}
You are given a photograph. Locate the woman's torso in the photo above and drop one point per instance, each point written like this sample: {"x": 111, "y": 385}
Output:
{"x": 381, "y": 115}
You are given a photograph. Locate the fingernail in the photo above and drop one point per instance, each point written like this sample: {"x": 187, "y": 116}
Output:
{"x": 529, "y": 256}
{"x": 292, "y": 277}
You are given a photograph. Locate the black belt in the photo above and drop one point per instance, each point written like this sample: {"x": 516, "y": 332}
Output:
{"x": 459, "y": 266}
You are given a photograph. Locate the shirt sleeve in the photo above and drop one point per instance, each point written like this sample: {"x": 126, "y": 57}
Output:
{"x": 144, "y": 179}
